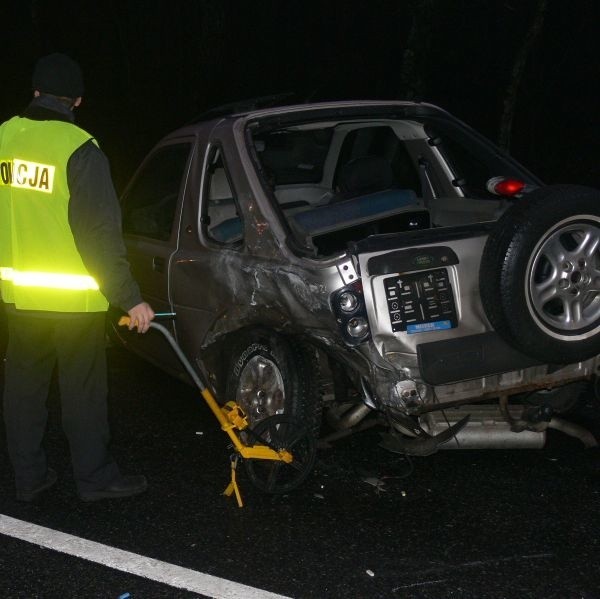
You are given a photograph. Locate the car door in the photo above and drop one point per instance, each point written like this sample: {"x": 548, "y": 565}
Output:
{"x": 151, "y": 213}
{"x": 207, "y": 276}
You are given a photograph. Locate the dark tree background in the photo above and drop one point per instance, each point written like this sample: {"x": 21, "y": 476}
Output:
{"x": 524, "y": 72}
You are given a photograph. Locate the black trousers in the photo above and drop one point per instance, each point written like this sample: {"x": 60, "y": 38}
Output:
{"x": 75, "y": 343}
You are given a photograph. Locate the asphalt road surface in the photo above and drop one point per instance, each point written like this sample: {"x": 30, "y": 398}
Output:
{"x": 479, "y": 524}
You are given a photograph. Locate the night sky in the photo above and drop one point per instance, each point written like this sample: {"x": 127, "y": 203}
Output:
{"x": 151, "y": 66}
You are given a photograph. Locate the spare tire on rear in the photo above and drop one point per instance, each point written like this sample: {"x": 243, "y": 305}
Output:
{"x": 540, "y": 274}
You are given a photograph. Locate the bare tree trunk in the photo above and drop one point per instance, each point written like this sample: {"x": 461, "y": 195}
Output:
{"x": 510, "y": 99}
{"x": 36, "y": 16}
{"x": 412, "y": 84}
{"x": 123, "y": 40}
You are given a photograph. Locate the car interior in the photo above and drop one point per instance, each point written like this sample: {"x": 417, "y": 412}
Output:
{"x": 338, "y": 182}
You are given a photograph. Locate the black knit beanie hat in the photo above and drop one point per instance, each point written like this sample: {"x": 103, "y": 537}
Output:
{"x": 59, "y": 75}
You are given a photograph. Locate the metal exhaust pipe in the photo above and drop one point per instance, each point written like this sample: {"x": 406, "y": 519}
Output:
{"x": 350, "y": 418}
{"x": 574, "y": 430}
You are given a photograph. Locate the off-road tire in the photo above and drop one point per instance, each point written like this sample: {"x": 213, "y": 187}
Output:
{"x": 297, "y": 366}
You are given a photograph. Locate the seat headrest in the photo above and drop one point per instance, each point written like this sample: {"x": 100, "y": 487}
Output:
{"x": 365, "y": 174}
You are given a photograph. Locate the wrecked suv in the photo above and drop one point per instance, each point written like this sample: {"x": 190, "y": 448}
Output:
{"x": 369, "y": 263}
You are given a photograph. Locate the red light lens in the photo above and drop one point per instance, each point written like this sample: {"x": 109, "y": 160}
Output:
{"x": 509, "y": 187}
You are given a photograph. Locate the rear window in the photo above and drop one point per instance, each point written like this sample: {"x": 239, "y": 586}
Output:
{"x": 339, "y": 182}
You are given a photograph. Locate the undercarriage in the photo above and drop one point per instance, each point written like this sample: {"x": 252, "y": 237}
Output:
{"x": 423, "y": 419}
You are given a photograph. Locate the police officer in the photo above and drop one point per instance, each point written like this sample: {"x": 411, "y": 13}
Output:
{"x": 62, "y": 261}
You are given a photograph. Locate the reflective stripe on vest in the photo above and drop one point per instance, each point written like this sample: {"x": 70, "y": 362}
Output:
{"x": 52, "y": 292}
{"x": 48, "y": 279}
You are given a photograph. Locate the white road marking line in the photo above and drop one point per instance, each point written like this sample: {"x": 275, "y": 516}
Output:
{"x": 170, "y": 574}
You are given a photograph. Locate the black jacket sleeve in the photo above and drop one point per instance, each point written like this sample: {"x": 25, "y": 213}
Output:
{"x": 95, "y": 220}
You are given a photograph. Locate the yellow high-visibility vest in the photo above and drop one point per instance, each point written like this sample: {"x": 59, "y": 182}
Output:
{"x": 40, "y": 267}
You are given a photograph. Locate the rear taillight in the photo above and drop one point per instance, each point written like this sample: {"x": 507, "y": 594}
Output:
{"x": 350, "y": 312}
